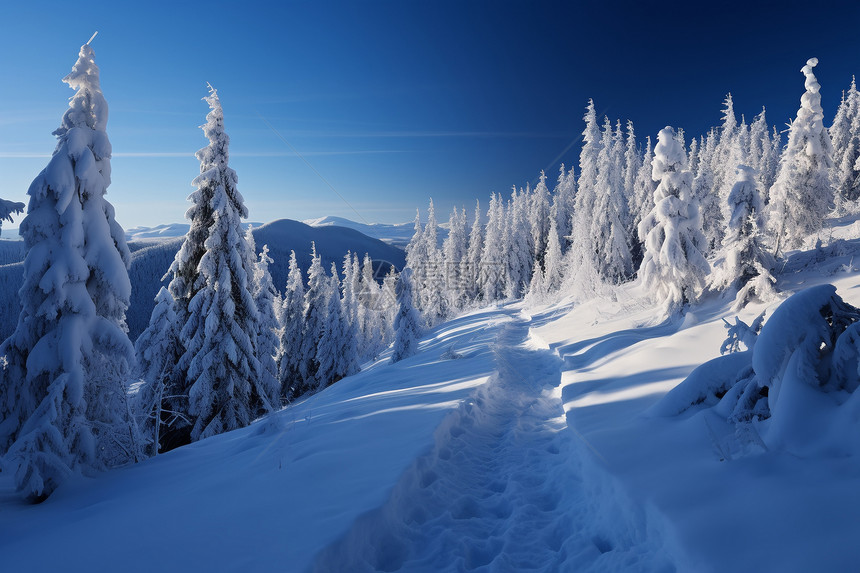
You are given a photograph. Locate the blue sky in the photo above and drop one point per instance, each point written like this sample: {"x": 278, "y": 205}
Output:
{"x": 394, "y": 102}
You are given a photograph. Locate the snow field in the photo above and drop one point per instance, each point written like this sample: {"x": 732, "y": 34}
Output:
{"x": 500, "y": 490}
{"x": 265, "y": 497}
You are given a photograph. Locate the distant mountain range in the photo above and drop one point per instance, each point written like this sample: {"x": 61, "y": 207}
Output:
{"x": 397, "y": 234}
{"x": 154, "y": 248}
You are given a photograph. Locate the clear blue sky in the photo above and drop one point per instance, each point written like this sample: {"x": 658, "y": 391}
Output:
{"x": 394, "y": 102}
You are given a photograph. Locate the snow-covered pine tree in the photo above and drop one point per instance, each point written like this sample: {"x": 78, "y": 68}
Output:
{"x": 454, "y": 249}
{"x": 607, "y": 233}
{"x": 268, "y": 303}
{"x": 221, "y": 374}
{"x": 469, "y": 269}
{"x": 517, "y": 240}
{"x": 632, "y": 162}
{"x": 432, "y": 289}
{"x": 642, "y": 202}
{"x": 292, "y": 320}
{"x": 63, "y": 396}
{"x": 744, "y": 263}
{"x": 407, "y": 323}
{"x": 802, "y": 195}
{"x": 582, "y": 277}
{"x": 845, "y": 137}
{"x": 763, "y": 156}
{"x": 539, "y": 218}
{"x": 315, "y": 309}
{"x": 493, "y": 272}
{"x": 536, "y": 292}
{"x": 706, "y": 192}
{"x": 369, "y": 315}
{"x": 348, "y": 293}
{"x": 563, "y": 202}
{"x": 388, "y": 306}
{"x": 417, "y": 259}
{"x": 336, "y": 351}
{"x": 553, "y": 261}
{"x": 154, "y": 348}
{"x": 673, "y": 268}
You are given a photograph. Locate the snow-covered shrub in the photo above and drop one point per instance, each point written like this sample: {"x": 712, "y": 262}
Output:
{"x": 796, "y": 384}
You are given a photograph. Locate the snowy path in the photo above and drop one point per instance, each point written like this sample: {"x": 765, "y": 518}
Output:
{"x": 500, "y": 490}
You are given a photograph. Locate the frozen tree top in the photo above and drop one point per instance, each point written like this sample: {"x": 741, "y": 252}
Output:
{"x": 87, "y": 108}
{"x": 213, "y": 129}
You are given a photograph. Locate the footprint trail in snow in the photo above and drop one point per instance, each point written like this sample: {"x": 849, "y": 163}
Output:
{"x": 499, "y": 491}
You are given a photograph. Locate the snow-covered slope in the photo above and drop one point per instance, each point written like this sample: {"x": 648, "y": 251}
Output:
{"x": 516, "y": 439}
{"x": 397, "y": 235}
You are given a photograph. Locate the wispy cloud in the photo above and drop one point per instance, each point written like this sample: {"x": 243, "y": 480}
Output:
{"x": 187, "y": 154}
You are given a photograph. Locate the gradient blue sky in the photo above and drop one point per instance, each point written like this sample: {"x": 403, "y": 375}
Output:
{"x": 395, "y": 102}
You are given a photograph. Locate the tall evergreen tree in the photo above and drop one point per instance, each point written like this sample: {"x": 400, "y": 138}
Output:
{"x": 802, "y": 195}
{"x": 517, "y": 243}
{"x": 494, "y": 265}
{"x": 607, "y": 233}
{"x": 315, "y": 308}
{"x": 63, "y": 395}
{"x": 222, "y": 375}
{"x": 292, "y": 320}
{"x": 469, "y": 270}
{"x": 268, "y": 304}
{"x": 673, "y": 268}
{"x": 845, "y": 137}
{"x": 407, "y": 324}
{"x": 744, "y": 263}
{"x": 454, "y": 250}
{"x": 337, "y": 352}
{"x": 539, "y": 218}
{"x": 563, "y": 204}
{"x": 643, "y": 201}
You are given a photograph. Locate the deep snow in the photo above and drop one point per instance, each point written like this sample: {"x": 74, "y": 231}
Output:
{"x": 516, "y": 439}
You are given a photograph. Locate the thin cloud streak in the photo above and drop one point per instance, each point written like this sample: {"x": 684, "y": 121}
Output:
{"x": 188, "y": 154}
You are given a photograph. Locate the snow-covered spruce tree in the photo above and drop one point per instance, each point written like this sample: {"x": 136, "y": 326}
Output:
{"x": 608, "y": 234}
{"x": 536, "y": 292}
{"x": 348, "y": 291}
{"x": 268, "y": 303}
{"x": 744, "y": 263}
{"x": 705, "y": 191}
{"x": 219, "y": 370}
{"x": 407, "y": 323}
{"x": 581, "y": 276}
{"x": 432, "y": 289}
{"x": 469, "y": 267}
{"x": 563, "y": 202}
{"x": 454, "y": 249}
{"x": 337, "y": 352}
{"x": 673, "y": 268}
{"x": 153, "y": 348}
{"x": 517, "y": 242}
{"x": 315, "y": 308}
{"x": 369, "y": 311}
{"x": 388, "y": 304}
{"x": 493, "y": 271}
{"x": 292, "y": 320}
{"x": 632, "y": 162}
{"x": 845, "y": 137}
{"x": 641, "y": 202}
{"x": 418, "y": 258}
{"x": 763, "y": 156}
{"x": 63, "y": 395}
{"x": 553, "y": 262}
{"x": 539, "y": 218}
{"x": 802, "y": 195}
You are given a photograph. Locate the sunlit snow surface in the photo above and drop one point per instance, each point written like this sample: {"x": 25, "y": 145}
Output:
{"x": 538, "y": 448}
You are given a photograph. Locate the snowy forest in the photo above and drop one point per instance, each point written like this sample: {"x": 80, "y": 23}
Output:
{"x": 686, "y": 215}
